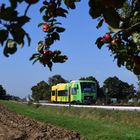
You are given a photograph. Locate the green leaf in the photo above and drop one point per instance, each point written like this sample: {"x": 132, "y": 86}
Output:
{"x": 52, "y": 20}
{"x": 37, "y": 59}
{"x": 61, "y": 12}
{"x": 94, "y": 13}
{"x": 95, "y": 9}
{"x": 99, "y": 42}
{"x": 51, "y": 29}
{"x": 100, "y": 23}
{"x": 3, "y": 36}
{"x": 55, "y": 36}
{"x": 40, "y": 24}
{"x": 18, "y": 33}
{"x": 49, "y": 41}
{"x": 60, "y": 59}
{"x": 59, "y": 29}
{"x": 10, "y": 47}
{"x": 57, "y": 23}
{"x": 28, "y": 38}
{"x": 40, "y": 47}
{"x": 8, "y": 14}
{"x": 42, "y": 9}
{"x": 46, "y": 18}
{"x": 121, "y": 60}
{"x": 13, "y": 3}
{"x": 35, "y": 55}
{"x": 129, "y": 65}
{"x": 22, "y": 20}
{"x": 19, "y": 1}
{"x": 50, "y": 64}
{"x": 111, "y": 17}
{"x": 70, "y": 4}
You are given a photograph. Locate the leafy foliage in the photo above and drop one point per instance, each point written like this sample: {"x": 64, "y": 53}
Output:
{"x": 2, "y": 92}
{"x": 5, "y": 96}
{"x": 56, "y": 79}
{"x": 122, "y": 39}
{"x": 41, "y": 91}
{"x": 118, "y": 89}
{"x": 11, "y": 31}
{"x": 52, "y": 10}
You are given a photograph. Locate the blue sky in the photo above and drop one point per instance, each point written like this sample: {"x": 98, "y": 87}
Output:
{"x": 18, "y": 75}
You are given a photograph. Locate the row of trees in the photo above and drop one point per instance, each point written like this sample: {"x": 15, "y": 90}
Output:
{"x": 112, "y": 87}
{"x": 5, "y": 96}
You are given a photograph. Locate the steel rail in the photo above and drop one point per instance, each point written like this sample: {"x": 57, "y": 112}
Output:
{"x": 127, "y": 108}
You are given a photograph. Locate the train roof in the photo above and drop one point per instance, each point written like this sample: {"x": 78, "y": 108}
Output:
{"x": 62, "y": 85}
{"x": 82, "y": 81}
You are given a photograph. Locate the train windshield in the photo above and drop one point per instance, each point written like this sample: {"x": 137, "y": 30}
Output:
{"x": 87, "y": 87}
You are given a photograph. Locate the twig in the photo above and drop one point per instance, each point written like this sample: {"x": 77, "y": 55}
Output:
{"x": 26, "y": 10}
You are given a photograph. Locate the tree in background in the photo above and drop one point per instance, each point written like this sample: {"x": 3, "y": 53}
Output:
{"x": 2, "y": 92}
{"x": 5, "y": 96}
{"x": 121, "y": 16}
{"x": 138, "y": 92}
{"x": 118, "y": 89}
{"x": 41, "y": 91}
{"x": 56, "y": 79}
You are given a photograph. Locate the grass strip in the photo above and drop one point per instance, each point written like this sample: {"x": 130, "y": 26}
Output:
{"x": 89, "y": 123}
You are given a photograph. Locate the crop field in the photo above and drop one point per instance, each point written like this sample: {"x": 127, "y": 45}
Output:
{"x": 92, "y": 124}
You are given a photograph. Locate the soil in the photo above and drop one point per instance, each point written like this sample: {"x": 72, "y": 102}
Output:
{"x": 17, "y": 127}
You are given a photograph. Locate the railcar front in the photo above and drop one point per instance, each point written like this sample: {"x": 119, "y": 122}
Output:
{"x": 83, "y": 91}
{"x": 88, "y": 92}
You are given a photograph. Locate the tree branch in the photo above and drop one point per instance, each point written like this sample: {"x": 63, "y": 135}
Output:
{"x": 26, "y": 10}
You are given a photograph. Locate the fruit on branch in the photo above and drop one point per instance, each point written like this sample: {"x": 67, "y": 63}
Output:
{"x": 113, "y": 42}
{"x": 48, "y": 53}
{"x": 106, "y": 38}
{"x": 46, "y": 27}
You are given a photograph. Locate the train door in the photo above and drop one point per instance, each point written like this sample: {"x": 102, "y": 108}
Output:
{"x": 69, "y": 95}
{"x": 56, "y": 95}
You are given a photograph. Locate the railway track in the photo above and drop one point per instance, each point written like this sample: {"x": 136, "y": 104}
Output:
{"x": 127, "y": 108}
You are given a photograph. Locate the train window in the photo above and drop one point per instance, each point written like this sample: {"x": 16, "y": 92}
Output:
{"x": 53, "y": 93}
{"x": 62, "y": 92}
{"x": 88, "y": 87}
{"x": 74, "y": 90}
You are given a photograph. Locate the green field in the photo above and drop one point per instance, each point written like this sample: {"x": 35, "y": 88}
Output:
{"x": 93, "y": 124}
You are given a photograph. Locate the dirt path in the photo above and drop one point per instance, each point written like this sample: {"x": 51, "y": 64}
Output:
{"x": 17, "y": 127}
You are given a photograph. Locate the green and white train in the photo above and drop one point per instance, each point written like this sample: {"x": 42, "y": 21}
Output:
{"x": 78, "y": 91}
